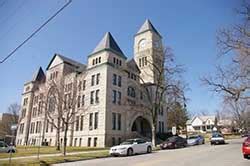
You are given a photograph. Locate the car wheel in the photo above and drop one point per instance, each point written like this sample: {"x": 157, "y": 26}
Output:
{"x": 211, "y": 143}
{"x": 11, "y": 151}
{"x": 245, "y": 156}
{"x": 130, "y": 152}
{"x": 149, "y": 149}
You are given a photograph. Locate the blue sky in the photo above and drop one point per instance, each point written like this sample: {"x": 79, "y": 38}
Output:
{"x": 188, "y": 27}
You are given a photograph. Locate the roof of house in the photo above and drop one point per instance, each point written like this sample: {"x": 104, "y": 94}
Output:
{"x": 108, "y": 43}
{"x": 202, "y": 118}
{"x": 67, "y": 60}
{"x": 147, "y": 26}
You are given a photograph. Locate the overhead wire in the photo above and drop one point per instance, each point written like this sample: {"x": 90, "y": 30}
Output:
{"x": 36, "y": 31}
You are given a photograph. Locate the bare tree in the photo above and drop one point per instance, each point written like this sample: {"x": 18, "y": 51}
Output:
{"x": 164, "y": 91}
{"x": 62, "y": 100}
{"x": 233, "y": 80}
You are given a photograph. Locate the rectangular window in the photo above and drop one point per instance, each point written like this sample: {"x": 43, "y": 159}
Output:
{"x": 97, "y": 78}
{"x": 80, "y": 85}
{"x": 139, "y": 62}
{"x": 37, "y": 127}
{"x": 146, "y": 62}
{"x": 89, "y": 141}
{"x": 83, "y": 100}
{"x": 95, "y": 141}
{"x": 77, "y": 123}
{"x": 119, "y": 121}
{"x": 78, "y": 101}
{"x": 97, "y": 96}
{"x": 113, "y": 141}
{"x": 114, "y": 79}
{"x": 114, "y": 97}
{"x": 114, "y": 60}
{"x": 75, "y": 141}
{"x": 47, "y": 126}
{"x": 93, "y": 62}
{"x": 25, "y": 101}
{"x": 83, "y": 84}
{"x": 96, "y": 121}
{"x": 119, "y": 140}
{"x": 113, "y": 121}
{"x": 119, "y": 81}
{"x": 80, "y": 142}
{"x": 92, "y": 80}
{"x": 81, "y": 123}
{"x": 142, "y": 61}
{"x": 160, "y": 127}
{"x": 119, "y": 97}
{"x": 100, "y": 58}
{"x": 51, "y": 126}
{"x": 92, "y": 97}
{"x": 90, "y": 121}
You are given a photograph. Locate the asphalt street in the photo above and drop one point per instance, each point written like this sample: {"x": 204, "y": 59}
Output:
{"x": 203, "y": 155}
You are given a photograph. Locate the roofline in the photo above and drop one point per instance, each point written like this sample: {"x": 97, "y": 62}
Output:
{"x": 146, "y": 31}
{"x": 108, "y": 49}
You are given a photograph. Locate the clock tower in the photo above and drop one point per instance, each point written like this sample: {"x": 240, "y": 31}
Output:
{"x": 148, "y": 52}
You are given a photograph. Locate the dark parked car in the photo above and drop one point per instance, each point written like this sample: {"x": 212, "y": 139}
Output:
{"x": 174, "y": 142}
{"x": 246, "y": 134}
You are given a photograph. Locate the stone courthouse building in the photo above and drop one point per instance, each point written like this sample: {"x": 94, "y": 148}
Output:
{"x": 108, "y": 96}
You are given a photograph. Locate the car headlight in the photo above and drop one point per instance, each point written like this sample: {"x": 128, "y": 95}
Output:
{"x": 122, "y": 148}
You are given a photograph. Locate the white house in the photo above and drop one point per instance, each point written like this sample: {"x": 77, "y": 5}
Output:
{"x": 201, "y": 124}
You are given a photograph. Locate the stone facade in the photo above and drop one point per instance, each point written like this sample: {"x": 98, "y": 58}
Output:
{"x": 106, "y": 87}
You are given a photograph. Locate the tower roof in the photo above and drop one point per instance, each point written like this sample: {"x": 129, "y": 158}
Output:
{"x": 108, "y": 43}
{"x": 39, "y": 75}
{"x": 147, "y": 26}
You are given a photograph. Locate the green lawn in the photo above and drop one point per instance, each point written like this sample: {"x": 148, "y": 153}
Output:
{"x": 56, "y": 159}
{"x": 33, "y": 150}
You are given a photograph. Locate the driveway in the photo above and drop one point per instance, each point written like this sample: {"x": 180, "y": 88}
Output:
{"x": 203, "y": 155}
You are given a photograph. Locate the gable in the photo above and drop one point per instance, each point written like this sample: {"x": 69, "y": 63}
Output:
{"x": 197, "y": 122}
{"x": 56, "y": 60}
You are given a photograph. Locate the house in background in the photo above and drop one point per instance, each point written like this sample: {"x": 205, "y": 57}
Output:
{"x": 202, "y": 124}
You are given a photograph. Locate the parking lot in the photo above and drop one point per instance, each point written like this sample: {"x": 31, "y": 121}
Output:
{"x": 202, "y": 155}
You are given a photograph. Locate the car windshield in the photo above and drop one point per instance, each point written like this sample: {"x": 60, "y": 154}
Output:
{"x": 127, "y": 142}
{"x": 216, "y": 135}
{"x": 172, "y": 138}
{"x": 193, "y": 137}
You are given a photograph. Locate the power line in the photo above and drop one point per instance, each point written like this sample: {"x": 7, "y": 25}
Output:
{"x": 35, "y": 32}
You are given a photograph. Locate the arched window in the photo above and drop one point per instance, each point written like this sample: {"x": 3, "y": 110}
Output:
{"x": 52, "y": 104}
{"x": 131, "y": 92}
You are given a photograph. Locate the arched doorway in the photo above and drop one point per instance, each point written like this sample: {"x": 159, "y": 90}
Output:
{"x": 142, "y": 126}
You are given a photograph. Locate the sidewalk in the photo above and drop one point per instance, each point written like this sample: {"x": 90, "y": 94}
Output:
{"x": 52, "y": 155}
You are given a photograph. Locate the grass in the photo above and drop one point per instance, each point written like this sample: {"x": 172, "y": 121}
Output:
{"x": 56, "y": 159}
{"x": 33, "y": 150}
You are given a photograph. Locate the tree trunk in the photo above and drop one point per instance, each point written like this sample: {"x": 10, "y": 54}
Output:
{"x": 65, "y": 139}
{"x": 58, "y": 135}
{"x": 153, "y": 135}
